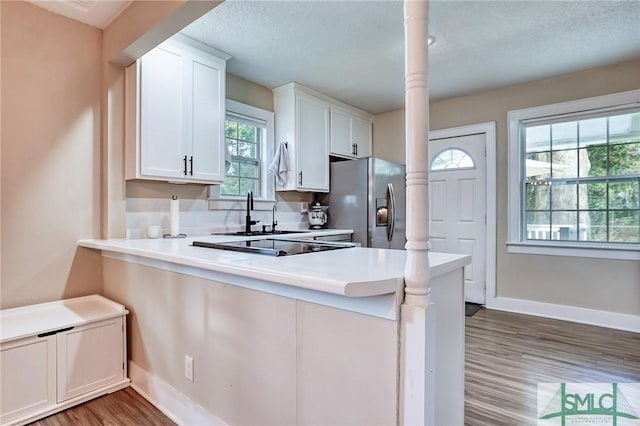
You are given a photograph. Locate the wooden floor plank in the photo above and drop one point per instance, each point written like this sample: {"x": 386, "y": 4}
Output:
{"x": 122, "y": 408}
{"x": 508, "y": 354}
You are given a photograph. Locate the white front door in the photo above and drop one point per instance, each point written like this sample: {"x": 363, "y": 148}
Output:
{"x": 458, "y": 205}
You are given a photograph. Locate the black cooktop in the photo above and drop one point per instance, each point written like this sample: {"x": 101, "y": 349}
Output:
{"x": 274, "y": 247}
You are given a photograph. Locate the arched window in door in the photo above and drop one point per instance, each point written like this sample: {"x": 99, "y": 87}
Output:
{"x": 452, "y": 159}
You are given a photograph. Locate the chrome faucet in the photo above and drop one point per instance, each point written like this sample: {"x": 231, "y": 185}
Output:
{"x": 274, "y": 222}
{"x": 248, "y": 221}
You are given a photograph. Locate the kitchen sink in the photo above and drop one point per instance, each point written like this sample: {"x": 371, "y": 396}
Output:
{"x": 258, "y": 233}
{"x": 274, "y": 247}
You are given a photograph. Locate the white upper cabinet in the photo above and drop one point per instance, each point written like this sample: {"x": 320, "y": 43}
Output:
{"x": 302, "y": 120}
{"x": 314, "y": 127}
{"x": 175, "y": 114}
{"x": 350, "y": 133}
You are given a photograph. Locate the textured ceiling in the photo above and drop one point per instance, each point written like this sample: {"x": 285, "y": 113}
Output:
{"x": 354, "y": 50}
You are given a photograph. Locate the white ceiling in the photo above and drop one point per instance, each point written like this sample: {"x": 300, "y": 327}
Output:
{"x": 354, "y": 50}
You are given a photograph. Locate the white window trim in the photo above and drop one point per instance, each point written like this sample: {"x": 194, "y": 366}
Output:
{"x": 515, "y": 243}
{"x": 265, "y": 202}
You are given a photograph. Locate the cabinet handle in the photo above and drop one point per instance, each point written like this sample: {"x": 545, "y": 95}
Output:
{"x": 300, "y": 177}
{"x": 185, "y": 164}
{"x": 191, "y": 165}
{"x": 353, "y": 149}
{"x": 356, "y": 145}
{"x": 51, "y": 333}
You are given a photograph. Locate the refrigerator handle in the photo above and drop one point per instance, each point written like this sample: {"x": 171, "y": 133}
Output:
{"x": 392, "y": 212}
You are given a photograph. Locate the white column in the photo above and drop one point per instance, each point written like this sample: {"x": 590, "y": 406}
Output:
{"x": 416, "y": 130}
{"x": 417, "y": 354}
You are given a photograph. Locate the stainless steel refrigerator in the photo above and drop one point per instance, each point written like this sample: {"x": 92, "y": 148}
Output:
{"x": 368, "y": 196}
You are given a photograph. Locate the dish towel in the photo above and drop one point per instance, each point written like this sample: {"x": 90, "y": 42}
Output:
{"x": 280, "y": 164}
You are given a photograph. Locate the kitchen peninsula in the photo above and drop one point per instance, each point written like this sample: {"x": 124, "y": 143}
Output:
{"x": 308, "y": 338}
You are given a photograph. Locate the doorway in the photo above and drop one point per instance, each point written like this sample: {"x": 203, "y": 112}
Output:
{"x": 462, "y": 202}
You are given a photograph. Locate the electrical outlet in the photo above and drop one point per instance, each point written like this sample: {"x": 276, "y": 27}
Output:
{"x": 188, "y": 367}
{"x": 304, "y": 207}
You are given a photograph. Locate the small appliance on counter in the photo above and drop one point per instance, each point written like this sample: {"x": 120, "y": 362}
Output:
{"x": 318, "y": 216}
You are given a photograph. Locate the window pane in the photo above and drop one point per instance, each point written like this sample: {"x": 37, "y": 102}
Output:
{"x": 232, "y": 147}
{"x": 564, "y": 164}
{"x": 565, "y": 224}
{"x": 247, "y": 185}
{"x": 624, "y": 226}
{"x": 596, "y": 225}
{"x": 538, "y": 226}
{"x": 538, "y": 138}
{"x": 538, "y": 165}
{"x": 564, "y": 197}
{"x": 597, "y": 155}
{"x": 538, "y": 197}
{"x": 593, "y": 131}
{"x": 452, "y": 159}
{"x": 247, "y": 133}
{"x": 249, "y": 170}
{"x": 234, "y": 169}
{"x": 247, "y": 149}
{"x": 565, "y": 135}
{"x": 624, "y": 159}
{"x": 596, "y": 196}
{"x": 624, "y": 195}
{"x": 230, "y": 186}
{"x": 624, "y": 128}
{"x": 231, "y": 129}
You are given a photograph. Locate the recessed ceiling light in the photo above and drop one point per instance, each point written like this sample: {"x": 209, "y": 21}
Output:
{"x": 430, "y": 40}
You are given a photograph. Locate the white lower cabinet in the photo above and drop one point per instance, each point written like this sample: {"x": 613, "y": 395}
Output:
{"x": 58, "y": 354}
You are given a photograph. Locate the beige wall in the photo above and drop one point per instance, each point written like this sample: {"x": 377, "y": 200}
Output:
{"x": 388, "y": 136}
{"x": 258, "y": 358}
{"x": 50, "y": 155}
{"x": 607, "y": 285}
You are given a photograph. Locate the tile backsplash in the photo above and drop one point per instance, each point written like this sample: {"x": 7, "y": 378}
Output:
{"x": 196, "y": 218}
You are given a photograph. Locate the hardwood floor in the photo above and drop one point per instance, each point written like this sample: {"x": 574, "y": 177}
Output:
{"x": 122, "y": 408}
{"x": 507, "y": 355}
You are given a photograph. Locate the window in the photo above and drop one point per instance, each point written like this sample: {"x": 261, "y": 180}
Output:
{"x": 244, "y": 138}
{"x": 577, "y": 175}
{"x": 452, "y": 158}
{"x": 249, "y": 140}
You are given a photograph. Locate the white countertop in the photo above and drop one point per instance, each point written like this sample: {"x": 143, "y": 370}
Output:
{"x": 352, "y": 272}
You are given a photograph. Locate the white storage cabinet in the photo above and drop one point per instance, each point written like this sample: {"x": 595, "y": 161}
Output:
{"x": 59, "y": 354}
{"x": 302, "y": 120}
{"x": 175, "y": 112}
{"x": 350, "y": 132}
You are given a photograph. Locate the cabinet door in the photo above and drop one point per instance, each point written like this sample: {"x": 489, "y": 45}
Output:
{"x": 341, "y": 143}
{"x": 162, "y": 114}
{"x": 312, "y": 137}
{"x": 28, "y": 372}
{"x": 90, "y": 357}
{"x": 361, "y": 136}
{"x": 207, "y": 106}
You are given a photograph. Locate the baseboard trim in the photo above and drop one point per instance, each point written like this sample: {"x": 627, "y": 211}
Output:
{"x": 567, "y": 313}
{"x": 175, "y": 405}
